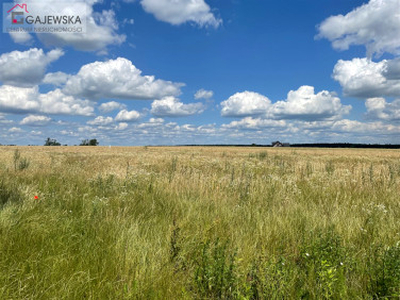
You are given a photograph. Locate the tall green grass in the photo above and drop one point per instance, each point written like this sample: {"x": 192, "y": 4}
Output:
{"x": 175, "y": 223}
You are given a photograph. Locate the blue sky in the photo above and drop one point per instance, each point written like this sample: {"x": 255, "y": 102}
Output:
{"x": 165, "y": 72}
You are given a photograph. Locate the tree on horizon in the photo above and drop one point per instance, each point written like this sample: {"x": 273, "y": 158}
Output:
{"x": 51, "y": 142}
{"x": 87, "y": 142}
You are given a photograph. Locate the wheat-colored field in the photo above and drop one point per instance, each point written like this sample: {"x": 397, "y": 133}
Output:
{"x": 199, "y": 222}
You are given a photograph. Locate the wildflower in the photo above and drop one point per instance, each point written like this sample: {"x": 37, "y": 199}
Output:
{"x": 36, "y": 198}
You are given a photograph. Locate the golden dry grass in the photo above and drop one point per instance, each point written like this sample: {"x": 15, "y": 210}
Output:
{"x": 200, "y": 222}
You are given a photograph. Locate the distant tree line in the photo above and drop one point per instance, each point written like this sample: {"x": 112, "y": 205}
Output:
{"x": 86, "y": 142}
{"x": 92, "y": 142}
{"x": 347, "y": 145}
{"x": 314, "y": 145}
{"x": 51, "y": 142}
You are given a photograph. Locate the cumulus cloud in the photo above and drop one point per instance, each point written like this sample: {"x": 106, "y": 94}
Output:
{"x": 378, "y": 108}
{"x": 101, "y": 27}
{"x": 118, "y": 78}
{"x": 153, "y": 122}
{"x": 111, "y": 106}
{"x": 57, "y": 103}
{"x": 361, "y": 77}
{"x": 18, "y": 100}
{"x": 29, "y": 100}
{"x": 21, "y": 37}
{"x": 100, "y": 120}
{"x": 343, "y": 130}
{"x": 245, "y": 104}
{"x": 374, "y": 25}
{"x": 36, "y": 133}
{"x": 172, "y": 107}
{"x": 347, "y": 130}
{"x": 127, "y": 116}
{"x": 392, "y": 71}
{"x": 26, "y": 68}
{"x": 15, "y": 130}
{"x": 57, "y": 78}
{"x": 121, "y": 126}
{"x": 301, "y": 104}
{"x": 203, "y": 94}
{"x": 177, "y": 12}
{"x": 365, "y": 128}
{"x": 251, "y": 123}
{"x": 35, "y": 120}
{"x": 97, "y": 37}
{"x": 304, "y": 104}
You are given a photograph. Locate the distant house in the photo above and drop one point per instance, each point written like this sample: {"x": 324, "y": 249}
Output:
{"x": 279, "y": 144}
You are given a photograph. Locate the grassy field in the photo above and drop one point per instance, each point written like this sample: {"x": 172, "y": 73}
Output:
{"x": 184, "y": 223}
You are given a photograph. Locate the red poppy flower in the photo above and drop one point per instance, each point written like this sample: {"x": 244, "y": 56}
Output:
{"x": 36, "y": 197}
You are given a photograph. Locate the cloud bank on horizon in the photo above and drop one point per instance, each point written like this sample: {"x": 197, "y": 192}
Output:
{"x": 196, "y": 94}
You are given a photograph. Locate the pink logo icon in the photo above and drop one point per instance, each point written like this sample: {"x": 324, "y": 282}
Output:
{"x": 23, "y": 6}
{"x": 14, "y": 14}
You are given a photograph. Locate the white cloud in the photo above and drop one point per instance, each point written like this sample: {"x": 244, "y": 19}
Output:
{"x": 15, "y": 130}
{"x": 264, "y": 131}
{"x": 86, "y": 129}
{"x": 153, "y": 122}
{"x": 111, "y": 106}
{"x": 172, "y": 107}
{"x": 56, "y": 102}
{"x": 249, "y": 130}
{"x": 101, "y": 28}
{"x": 156, "y": 120}
{"x": 107, "y": 19}
{"x": 100, "y": 120}
{"x": 121, "y": 126}
{"x": 128, "y": 21}
{"x": 177, "y": 12}
{"x": 57, "y": 78}
{"x": 35, "y": 120}
{"x": 29, "y": 100}
{"x": 187, "y": 128}
{"x": 361, "y": 77}
{"x": 370, "y": 129}
{"x": 207, "y": 129}
{"x": 374, "y": 25}
{"x": 301, "y": 104}
{"x": 245, "y": 104}
{"x": 18, "y": 100}
{"x": 26, "y": 68}
{"x": 37, "y": 133}
{"x": 392, "y": 71}
{"x": 203, "y": 94}
{"x": 118, "y": 78}
{"x": 254, "y": 124}
{"x": 378, "y": 108}
{"x": 21, "y": 37}
{"x": 304, "y": 104}
{"x": 127, "y": 116}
